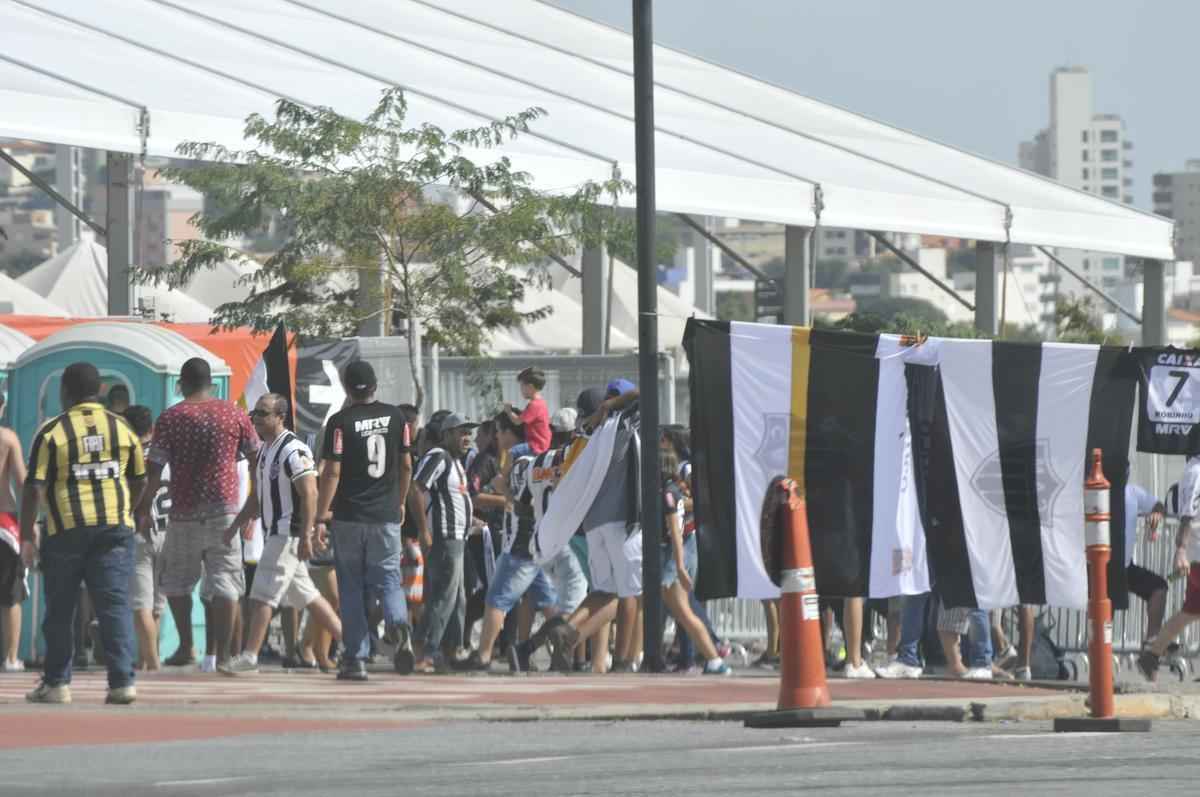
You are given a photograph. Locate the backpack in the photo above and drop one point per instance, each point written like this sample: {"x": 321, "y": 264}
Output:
{"x": 1047, "y": 662}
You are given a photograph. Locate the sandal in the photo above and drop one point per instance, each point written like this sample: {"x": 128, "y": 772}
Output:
{"x": 425, "y": 666}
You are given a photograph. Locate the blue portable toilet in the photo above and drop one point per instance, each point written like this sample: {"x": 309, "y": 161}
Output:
{"x": 13, "y": 344}
{"x": 144, "y": 357}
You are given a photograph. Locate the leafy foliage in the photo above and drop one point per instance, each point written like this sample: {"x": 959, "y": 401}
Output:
{"x": 435, "y": 225}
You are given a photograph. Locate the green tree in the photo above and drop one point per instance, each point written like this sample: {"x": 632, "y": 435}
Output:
{"x": 1075, "y": 322}
{"x": 402, "y": 208}
{"x": 889, "y": 306}
{"x": 733, "y": 306}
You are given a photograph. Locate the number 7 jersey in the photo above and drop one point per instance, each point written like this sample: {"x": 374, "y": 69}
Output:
{"x": 369, "y": 441}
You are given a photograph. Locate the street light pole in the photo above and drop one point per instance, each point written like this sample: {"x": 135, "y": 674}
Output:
{"x": 651, "y": 517}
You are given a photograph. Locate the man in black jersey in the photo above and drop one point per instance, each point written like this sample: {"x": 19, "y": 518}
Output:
{"x": 365, "y": 474}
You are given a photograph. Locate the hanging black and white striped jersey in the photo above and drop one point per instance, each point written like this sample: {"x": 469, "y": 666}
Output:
{"x": 280, "y": 465}
{"x": 448, "y": 499}
{"x": 520, "y": 520}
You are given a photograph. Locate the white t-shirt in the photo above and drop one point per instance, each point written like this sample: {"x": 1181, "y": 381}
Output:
{"x": 1189, "y": 499}
{"x": 1138, "y": 503}
{"x": 251, "y": 549}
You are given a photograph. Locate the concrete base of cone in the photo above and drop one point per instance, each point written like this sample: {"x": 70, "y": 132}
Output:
{"x": 1100, "y": 725}
{"x": 804, "y": 718}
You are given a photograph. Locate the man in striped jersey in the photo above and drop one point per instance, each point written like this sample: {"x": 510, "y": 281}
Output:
{"x": 516, "y": 572}
{"x": 284, "y": 496}
{"x": 445, "y": 518}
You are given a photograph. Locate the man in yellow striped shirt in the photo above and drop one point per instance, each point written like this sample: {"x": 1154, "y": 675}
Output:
{"x": 87, "y": 469}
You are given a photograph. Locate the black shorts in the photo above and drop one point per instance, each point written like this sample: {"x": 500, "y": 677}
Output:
{"x": 1143, "y": 583}
{"x": 13, "y": 589}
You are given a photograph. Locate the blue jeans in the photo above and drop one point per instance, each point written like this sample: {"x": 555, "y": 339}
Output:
{"x": 516, "y": 575}
{"x": 101, "y": 557}
{"x": 366, "y": 557}
{"x": 978, "y": 652}
{"x": 912, "y": 625}
{"x": 445, "y": 595}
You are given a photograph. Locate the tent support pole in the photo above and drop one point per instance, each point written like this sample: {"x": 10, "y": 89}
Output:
{"x": 651, "y": 486}
{"x": 594, "y": 293}
{"x": 65, "y": 203}
{"x": 797, "y": 305}
{"x": 919, "y": 268}
{"x": 724, "y": 247}
{"x": 1154, "y": 303}
{"x": 986, "y": 309}
{"x": 120, "y": 240}
{"x": 1107, "y": 299}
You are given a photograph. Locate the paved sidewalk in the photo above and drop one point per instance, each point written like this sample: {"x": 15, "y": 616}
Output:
{"x": 177, "y": 705}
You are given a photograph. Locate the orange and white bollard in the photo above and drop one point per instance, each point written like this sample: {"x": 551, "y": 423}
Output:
{"x": 804, "y": 699}
{"x": 1098, "y": 539}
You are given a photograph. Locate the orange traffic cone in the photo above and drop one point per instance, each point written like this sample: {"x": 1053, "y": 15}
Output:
{"x": 1097, "y": 538}
{"x": 803, "y": 693}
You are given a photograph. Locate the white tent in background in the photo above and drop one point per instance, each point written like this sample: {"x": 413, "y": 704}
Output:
{"x": 560, "y": 332}
{"x": 220, "y": 284}
{"x": 16, "y": 299}
{"x": 76, "y": 280}
{"x": 673, "y": 312}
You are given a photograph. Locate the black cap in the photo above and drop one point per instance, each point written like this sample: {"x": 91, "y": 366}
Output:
{"x": 359, "y": 376}
{"x": 589, "y": 401}
{"x": 455, "y": 421}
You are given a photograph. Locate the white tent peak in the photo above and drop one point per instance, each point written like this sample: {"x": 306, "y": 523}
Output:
{"x": 25, "y": 301}
{"x": 76, "y": 279}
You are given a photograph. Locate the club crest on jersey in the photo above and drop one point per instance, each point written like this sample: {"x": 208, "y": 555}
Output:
{"x": 773, "y": 448}
{"x": 988, "y": 482}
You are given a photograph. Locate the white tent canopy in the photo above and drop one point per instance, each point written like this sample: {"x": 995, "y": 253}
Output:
{"x": 673, "y": 312}
{"x": 219, "y": 285}
{"x": 76, "y": 280}
{"x": 17, "y": 299}
{"x": 726, "y": 144}
{"x": 560, "y": 332}
{"x": 13, "y": 344}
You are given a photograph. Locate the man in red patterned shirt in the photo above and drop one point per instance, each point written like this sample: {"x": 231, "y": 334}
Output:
{"x": 200, "y": 439}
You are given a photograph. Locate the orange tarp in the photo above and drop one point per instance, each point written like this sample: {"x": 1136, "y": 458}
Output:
{"x": 241, "y": 349}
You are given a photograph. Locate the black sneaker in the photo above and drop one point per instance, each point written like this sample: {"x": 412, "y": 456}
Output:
{"x": 1147, "y": 665}
{"x": 472, "y": 663}
{"x": 352, "y": 671}
{"x": 404, "y": 660}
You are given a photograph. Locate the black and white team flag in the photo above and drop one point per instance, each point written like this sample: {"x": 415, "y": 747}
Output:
{"x": 272, "y": 374}
{"x": 955, "y": 462}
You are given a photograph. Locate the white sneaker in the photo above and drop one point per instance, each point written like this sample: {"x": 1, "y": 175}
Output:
{"x": 208, "y": 664}
{"x": 898, "y": 669}
{"x": 1023, "y": 674}
{"x": 978, "y": 674}
{"x": 861, "y": 671}
{"x": 241, "y": 664}
{"x": 15, "y": 665}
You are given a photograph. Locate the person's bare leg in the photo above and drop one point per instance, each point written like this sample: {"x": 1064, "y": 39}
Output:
{"x": 639, "y": 635}
{"x": 223, "y": 612}
{"x": 256, "y": 632}
{"x": 999, "y": 638}
{"x": 146, "y": 627}
{"x": 954, "y": 663}
{"x": 598, "y": 616}
{"x": 600, "y": 645}
{"x": 239, "y": 627}
{"x": 681, "y": 610}
{"x": 1169, "y": 632}
{"x": 325, "y": 616}
{"x": 493, "y": 624}
{"x": 289, "y": 623}
{"x": 10, "y": 630}
{"x": 181, "y": 613}
{"x": 627, "y": 611}
{"x": 1025, "y": 627}
{"x": 1156, "y": 608}
{"x": 852, "y": 622}
{"x": 524, "y": 623}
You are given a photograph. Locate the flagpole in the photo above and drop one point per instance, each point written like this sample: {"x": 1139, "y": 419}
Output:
{"x": 651, "y": 512}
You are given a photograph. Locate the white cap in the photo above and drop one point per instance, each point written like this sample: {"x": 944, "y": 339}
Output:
{"x": 564, "y": 420}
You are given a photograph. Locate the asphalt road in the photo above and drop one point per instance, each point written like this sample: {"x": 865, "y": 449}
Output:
{"x": 626, "y": 758}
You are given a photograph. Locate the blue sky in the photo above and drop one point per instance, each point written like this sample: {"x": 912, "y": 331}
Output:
{"x": 968, "y": 73}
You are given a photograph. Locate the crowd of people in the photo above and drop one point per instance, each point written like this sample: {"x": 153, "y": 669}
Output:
{"x": 400, "y": 541}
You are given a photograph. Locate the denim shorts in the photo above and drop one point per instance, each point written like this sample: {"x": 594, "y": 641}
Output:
{"x": 516, "y": 575}
{"x": 690, "y": 561}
